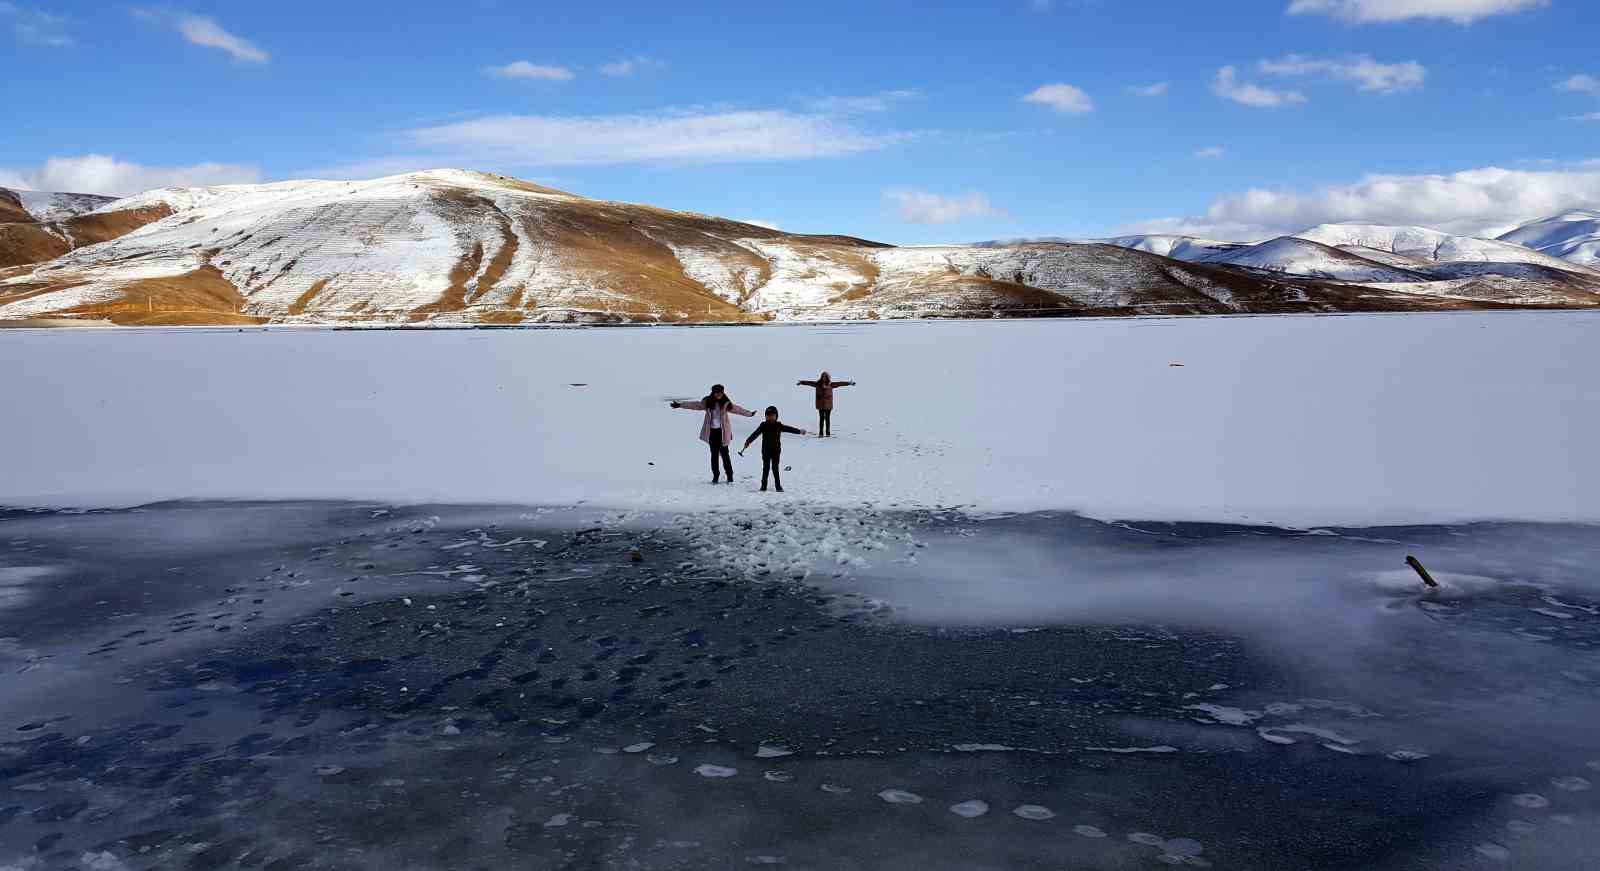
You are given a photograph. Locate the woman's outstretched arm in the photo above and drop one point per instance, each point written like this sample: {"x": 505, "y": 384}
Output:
{"x": 694, "y": 405}
{"x": 805, "y": 384}
{"x": 739, "y": 409}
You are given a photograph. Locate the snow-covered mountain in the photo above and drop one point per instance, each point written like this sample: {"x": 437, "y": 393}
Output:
{"x": 458, "y": 247}
{"x": 36, "y": 226}
{"x": 45, "y": 207}
{"x": 1573, "y": 236}
{"x": 1428, "y": 246}
{"x": 1410, "y": 260}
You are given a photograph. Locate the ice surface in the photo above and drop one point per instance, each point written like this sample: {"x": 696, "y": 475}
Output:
{"x": 1298, "y": 421}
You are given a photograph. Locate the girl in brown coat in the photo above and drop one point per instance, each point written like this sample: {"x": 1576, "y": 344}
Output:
{"x": 825, "y": 386}
{"x": 715, "y": 430}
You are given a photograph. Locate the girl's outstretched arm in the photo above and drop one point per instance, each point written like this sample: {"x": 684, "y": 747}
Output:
{"x": 739, "y": 409}
{"x": 805, "y": 384}
{"x": 695, "y": 405}
{"x": 844, "y": 384}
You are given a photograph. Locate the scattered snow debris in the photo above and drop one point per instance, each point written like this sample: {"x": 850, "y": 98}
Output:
{"x": 1530, "y": 800}
{"x": 767, "y": 751}
{"x": 639, "y": 747}
{"x": 836, "y": 789}
{"x": 1163, "y": 748}
{"x": 1493, "y": 851}
{"x": 1405, "y": 754}
{"x": 102, "y": 861}
{"x": 1570, "y": 784}
{"x": 970, "y": 809}
{"x": 1033, "y": 812}
{"x": 558, "y": 821}
{"x": 981, "y": 748}
{"x": 899, "y": 796}
{"x": 1226, "y": 715}
{"x": 1089, "y": 831}
{"x": 715, "y": 771}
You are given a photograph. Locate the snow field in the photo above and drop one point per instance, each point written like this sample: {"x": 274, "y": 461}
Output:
{"x": 1296, "y": 421}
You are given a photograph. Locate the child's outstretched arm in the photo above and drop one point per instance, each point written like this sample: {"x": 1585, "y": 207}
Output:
{"x": 792, "y": 430}
{"x": 805, "y": 384}
{"x": 752, "y": 438}
{"x": 844, "y": 384}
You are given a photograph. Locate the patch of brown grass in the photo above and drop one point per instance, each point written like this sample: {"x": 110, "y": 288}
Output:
{"x": 199, "y": 297}
{"x": 103, "y": 227}
{"x": 25, "y": 243}
{"x": 298, "y": 307}
{"x": 11, "y": 210}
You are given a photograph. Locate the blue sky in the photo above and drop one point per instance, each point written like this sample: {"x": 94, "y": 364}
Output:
{"x": 901, "y": 121}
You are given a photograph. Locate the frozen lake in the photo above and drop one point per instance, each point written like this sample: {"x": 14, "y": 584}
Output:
{"x": 1287, "y": 420}
{"x": 1090, "y": 594}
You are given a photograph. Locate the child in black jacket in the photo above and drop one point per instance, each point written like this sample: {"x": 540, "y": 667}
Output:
{"x": 771, "y": 433}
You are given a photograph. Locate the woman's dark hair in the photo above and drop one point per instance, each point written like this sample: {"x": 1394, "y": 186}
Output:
{"x": 772, "y": 409}
{"x": 824, "y": 378}
{"x": 711, "y": 399}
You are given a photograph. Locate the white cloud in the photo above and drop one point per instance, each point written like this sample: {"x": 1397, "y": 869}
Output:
{"x": 630, "y": 65}
{"x": 208, "y": 33}
{"x": 705, "y": 136}
{"x": 1458, "y": 11}
{"x": 1480, "y": 202}
{"x": 522, "y": 69}
{"x": 1366, "y": 73}
{"x": 1581, "y": 84}
{"x": 36, "y": 27}
{"x": 921, "y": 207}
{"x": 1212, "y": 153}
{"x": 1227, "y": 86}
{"x": 1154, "y": 90}
{"x": 853, "y": 105}
{"x": 100, "y": 174}
{"x": 1061, "y": 97}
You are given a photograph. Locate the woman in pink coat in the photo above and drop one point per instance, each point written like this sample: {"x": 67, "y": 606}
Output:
{"x": 715, "y": 430}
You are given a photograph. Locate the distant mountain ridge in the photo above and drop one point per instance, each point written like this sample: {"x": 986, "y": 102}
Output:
{"x": 1573, "y": 236}
{"x": 459, "y": 247}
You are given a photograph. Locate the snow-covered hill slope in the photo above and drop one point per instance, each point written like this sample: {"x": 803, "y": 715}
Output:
{"x": 1296, "y": 256}
{"x": 36, "y": 226}
{"x": 1190, "y": 249}
{"x": 458, "y": 247}
{"x": 1572, "y": 236}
